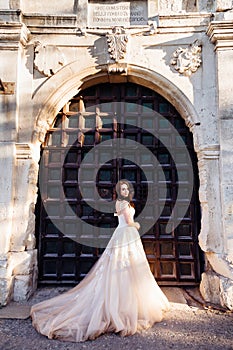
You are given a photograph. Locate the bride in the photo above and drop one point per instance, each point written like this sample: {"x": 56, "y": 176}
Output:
{"x": 119, "y": 294}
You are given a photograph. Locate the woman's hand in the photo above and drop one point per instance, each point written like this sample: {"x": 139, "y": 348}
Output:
{"x": 135, "y": 224}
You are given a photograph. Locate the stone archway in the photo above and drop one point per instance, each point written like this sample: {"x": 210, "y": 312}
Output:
{"x": 68, "y": 82}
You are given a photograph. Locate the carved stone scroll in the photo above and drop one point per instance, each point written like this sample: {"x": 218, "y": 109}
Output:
{"x": 186, "y": 61}
{"x": 48, "y": 59}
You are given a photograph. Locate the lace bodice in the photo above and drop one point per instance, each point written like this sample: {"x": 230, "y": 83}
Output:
{"x": 121, "y": 217}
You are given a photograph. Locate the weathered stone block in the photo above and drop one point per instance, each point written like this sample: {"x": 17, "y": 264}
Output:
{"x": 220, "y": 265}
{"x": 23, "y": 262}
{"x": 206, "y": 5}
{"x": 4, "y": 4}
{"x": 24, "y": 287}
{"x": 217, "y": 289}
{"x": 223, "y": 5}
{"x": 6, "y": 290}
{"x": 5, "y": 267}
{"x": 3, "y": 262}
{"x": 43, "y": 6}
{"x": 226, "y": 292}
{"x": 210, "y": 287}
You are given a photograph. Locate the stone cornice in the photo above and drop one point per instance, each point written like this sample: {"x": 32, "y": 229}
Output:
{"x": 12, "y": 35}
{"x": 39, "y": 23}
{"x": 69, "y": 23}
{"x": 221, "y": 34}
{"x": 184, "y": 20}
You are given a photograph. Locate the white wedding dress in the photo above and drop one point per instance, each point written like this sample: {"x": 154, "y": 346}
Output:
{"x": 119, "y": 294}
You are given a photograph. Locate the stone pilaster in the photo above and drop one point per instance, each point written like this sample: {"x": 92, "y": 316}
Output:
{"x": 13, "y": 38}
{"x": 221, "y": 35}
{"x": 6, "y": 210}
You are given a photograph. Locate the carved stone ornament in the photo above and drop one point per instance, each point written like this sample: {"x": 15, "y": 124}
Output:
{"x": 117, "y": 43}
{"x": 48, "y": 59}
{"x": 186, "y": 61}
{"x": 117, "y": 68}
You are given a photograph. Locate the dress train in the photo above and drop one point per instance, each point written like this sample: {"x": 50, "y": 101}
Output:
{"x": 119, "y": 294}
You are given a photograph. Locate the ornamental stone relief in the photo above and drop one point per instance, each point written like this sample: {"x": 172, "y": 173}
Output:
{"x": 186, "y": 61}
{"x": 48, "y": 59}
{"x": 117, "y": 43}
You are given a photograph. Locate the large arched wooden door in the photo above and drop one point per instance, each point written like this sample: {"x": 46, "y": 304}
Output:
{"x": 173, "y": 257}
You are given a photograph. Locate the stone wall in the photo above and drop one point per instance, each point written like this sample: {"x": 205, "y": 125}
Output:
{"x": 49, "y": 58}
{"x": 220, "y": 283}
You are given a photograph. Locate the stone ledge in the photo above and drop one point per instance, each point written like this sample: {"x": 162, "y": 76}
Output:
{"x": 15, "y": 311}
{"x": 41, "y": 20}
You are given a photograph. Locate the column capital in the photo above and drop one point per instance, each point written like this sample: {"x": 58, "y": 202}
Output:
{"x": 221, "y": 34}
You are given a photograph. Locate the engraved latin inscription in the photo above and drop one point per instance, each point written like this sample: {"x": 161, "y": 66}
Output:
{"x": 119, "y": 13}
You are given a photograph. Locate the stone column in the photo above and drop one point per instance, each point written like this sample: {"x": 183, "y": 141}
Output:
{"x": 219, "y": 279}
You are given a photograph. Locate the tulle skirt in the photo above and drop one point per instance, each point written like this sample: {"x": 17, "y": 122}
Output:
{"x": 119, "y": 294}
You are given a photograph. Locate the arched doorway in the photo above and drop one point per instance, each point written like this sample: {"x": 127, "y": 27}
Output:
{"x": 81, "y": 125}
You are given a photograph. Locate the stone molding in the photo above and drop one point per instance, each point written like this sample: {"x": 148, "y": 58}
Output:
{"x": 209, "y": 152}
{"x": 116, "y": 68}
{"x": 13, "y": 35}
{"x": 221, "y": 34}
{"x": 187, "y": 60}
{"x": 41, "y": 21}
{"x": 23, "y": 151}
{"x": 70, "y": 24}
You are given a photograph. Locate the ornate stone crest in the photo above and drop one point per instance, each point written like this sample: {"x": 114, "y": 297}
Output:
{"x": 117, "y": 43}
{"x": 48, "y": 59}
{"x": 186, "y": 61}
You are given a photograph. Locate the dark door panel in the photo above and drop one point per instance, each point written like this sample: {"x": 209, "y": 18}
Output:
{"x": 108, "y": 112}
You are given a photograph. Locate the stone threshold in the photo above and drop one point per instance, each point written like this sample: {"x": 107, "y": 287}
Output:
{"x": 15, "y": 311}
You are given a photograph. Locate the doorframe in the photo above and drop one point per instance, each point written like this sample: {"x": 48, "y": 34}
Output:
{"x": 68, "y": 82}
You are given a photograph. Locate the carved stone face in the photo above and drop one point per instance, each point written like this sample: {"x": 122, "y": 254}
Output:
{"x": 118, "y": 30}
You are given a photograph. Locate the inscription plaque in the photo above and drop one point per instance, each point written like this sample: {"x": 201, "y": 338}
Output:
{"x": 117, "y": 13}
